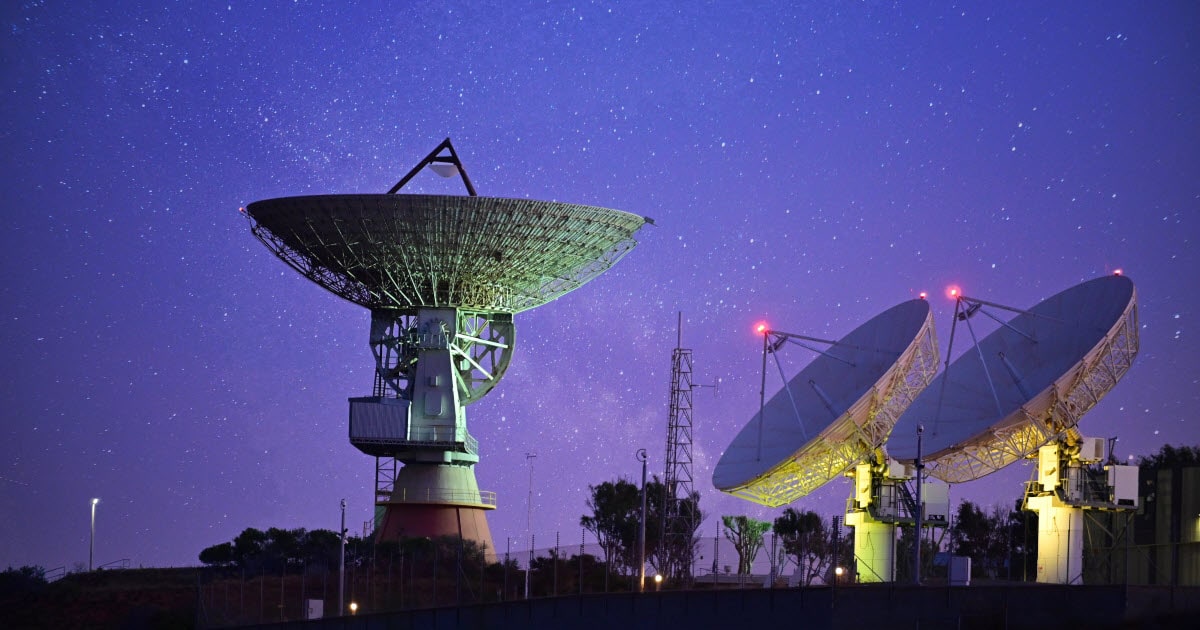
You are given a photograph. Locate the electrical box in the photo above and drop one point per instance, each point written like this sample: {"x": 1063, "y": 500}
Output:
{"x": 315, "y": 609}
{"x": 899, "y": 470}
{"x": 1123, "y": 485}
{"x": 936, "y": 497}
{"x": 1048, "y": 467}
{"x": 1091, "y": 450}
{"x": 862, "y": 486}
{"x": 960, "y": 571}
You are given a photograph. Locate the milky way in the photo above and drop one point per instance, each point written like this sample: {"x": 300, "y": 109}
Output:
{"x": 805, "y": 165}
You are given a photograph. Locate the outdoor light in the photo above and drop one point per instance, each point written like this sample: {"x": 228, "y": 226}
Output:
{"x": 353, "y": 608}
{"x": 342, "y": 565}
{"x": 642, "y": 457}
{"x": 92, "y": 540}
{"x": 658, "y": 582}
{"x": 444, "y": 169}
{"x": 839, "y": 571}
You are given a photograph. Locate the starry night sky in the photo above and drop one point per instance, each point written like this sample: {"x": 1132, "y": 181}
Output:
{"x": 807, "y": 165}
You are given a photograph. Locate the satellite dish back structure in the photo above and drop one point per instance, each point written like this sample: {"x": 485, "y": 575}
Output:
{"x": 442, "y": 276}
{"x": 836, "y": 412}
{"x": 1025, "y": 384}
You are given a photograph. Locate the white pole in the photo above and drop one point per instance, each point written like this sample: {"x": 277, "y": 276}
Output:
{"x": 92, "y": 540}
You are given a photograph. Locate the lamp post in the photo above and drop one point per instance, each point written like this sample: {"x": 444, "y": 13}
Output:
{"x": 529, "y": 457}
{"x": 642, "y": 457}
{"x": 92, "y": 540}
{"x": 920, "y": 516}
{"x": 342, "y": 565}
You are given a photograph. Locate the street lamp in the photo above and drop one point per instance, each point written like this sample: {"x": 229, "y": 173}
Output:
{"x": 641, "y": 457}
{"x": 529, "y": 457}
{"x": 353, "y": 608}
{"x": 657, "y": 582}
{"x": 92, "y": 540}
{"x": 342, "y": 564}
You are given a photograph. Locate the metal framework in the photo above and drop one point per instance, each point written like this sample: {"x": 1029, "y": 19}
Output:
{"x": 856, "y": 432}
{"x": 482, "y": 344}
{"x": 1050, "y": 415}
{"x": 402, "y": 252}
{"x": 679, "y": 524}
{"x": 442, "y": 276}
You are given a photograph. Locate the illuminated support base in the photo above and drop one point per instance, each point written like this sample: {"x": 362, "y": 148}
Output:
{"x": 874, "y": 547}
{"x": 1060, "y": 540}
{"x": 434, "y": 500}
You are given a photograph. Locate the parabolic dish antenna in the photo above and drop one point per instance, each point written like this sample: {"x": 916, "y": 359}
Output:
{"x": 401, "y": 252}
{"x": 442, "y": 277}
{"x": 835, "y": 412}
{"x": 1040, "y": 372}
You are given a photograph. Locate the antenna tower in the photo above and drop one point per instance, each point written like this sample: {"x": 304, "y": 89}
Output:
{"x": 680, "y": 518}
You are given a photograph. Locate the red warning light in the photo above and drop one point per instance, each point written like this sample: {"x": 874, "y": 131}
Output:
{"x": 761, "y": 328}
{"x": 242, "y": 209}
{"x": 953, "y": 292}
{"x": 1117, "y": 272}
{"x": 922, "y": 295}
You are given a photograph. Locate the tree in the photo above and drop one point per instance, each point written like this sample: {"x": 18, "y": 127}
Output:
{"x": 249, "y": 548}
{"x": 616, "y": 512}
{"x": 984, "y": 537}
{"x": 1171, "y": 457}
{"x": 805, "y": 540}
{"x": 746, "y": 534}
{"x": 218, "y": 555}
{"x": 671, "y": 554}
{"x": 616, "y": 508}
{"x": 275, "y": 549}
{"x": 320, "y": 548}
{"x": 16, "y": 584}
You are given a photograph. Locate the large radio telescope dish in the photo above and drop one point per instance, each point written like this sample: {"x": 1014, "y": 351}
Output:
{"x": 1050, "y": 365}
{"x": 846, "y": 402}
{"x": 443, "y": 277}
{"x": 401, "y": 252}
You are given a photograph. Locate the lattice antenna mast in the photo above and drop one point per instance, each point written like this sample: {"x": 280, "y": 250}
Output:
{"x": 680, "y": 518}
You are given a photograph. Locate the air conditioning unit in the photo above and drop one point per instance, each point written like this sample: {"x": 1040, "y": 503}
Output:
{"x": 1091, "y": 450}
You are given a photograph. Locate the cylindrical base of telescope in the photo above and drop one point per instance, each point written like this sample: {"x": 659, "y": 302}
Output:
{"x": 434, "y": 501}
{"x": 1060, "y": 540}
{"x": 874, "y": 548}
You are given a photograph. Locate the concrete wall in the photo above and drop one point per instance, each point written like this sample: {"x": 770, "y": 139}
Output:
{"x": 1010, "y": 607}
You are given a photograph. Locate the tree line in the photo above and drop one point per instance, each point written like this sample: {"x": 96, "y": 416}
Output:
{"x": 1001, "y": 541}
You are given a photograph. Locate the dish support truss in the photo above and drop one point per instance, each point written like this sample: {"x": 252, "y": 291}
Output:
{"x": 481, "y": 347}
{"x": 1052, "y": 414}
{"x": 845, "y": 443}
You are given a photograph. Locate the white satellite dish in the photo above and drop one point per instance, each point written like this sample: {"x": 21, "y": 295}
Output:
{"x": 835, "y": 412}
{"x": 1039, "y": 373}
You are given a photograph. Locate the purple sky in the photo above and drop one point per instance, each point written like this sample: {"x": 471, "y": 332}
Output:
{"x": 807, "y": 165}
